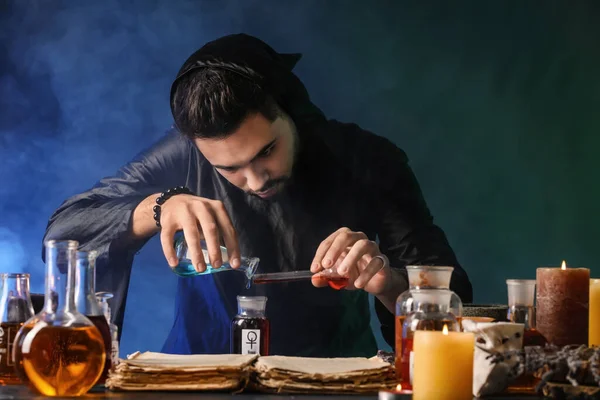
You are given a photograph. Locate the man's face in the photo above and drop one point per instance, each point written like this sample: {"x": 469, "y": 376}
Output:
{"x": 257, "y": 157}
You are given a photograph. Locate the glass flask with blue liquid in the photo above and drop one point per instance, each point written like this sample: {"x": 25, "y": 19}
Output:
{"x": 185, "y": 267}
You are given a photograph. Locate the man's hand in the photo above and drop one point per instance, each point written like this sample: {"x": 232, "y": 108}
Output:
{"x": 199, "y": 218}
{"x": 355, "y": 256}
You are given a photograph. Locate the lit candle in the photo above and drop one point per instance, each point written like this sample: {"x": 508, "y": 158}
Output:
{"x": 443, "y": 365}
{"x": 396, "y": 394}
{"x": 562, "y": 304}
{"x": 594, "y": 319}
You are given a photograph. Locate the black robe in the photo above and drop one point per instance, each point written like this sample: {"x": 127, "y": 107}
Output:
{"x": 343, "y": 177}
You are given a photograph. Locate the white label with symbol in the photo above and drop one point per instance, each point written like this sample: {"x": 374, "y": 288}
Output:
{"x": 250, "y": 341}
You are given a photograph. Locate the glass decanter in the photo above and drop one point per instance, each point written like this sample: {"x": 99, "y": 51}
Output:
{"x": 87, "y": 303}
{"x": 15, "y": 309}
{"x": 61, "y": 351}
{"x": 521, "y": 309}
{"x": 186, "y": 268}
{"x": 428, "y": 304}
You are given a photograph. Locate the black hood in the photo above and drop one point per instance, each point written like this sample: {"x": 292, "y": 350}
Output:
{"x": 274, "y": 68}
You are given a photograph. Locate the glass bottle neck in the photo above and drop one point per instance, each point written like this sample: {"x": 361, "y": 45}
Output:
{"x": 419, "y": 286}
{"x": 60, "y": 277}
{"x": 15, "y": 301}
{"x": 102, "y": 298}
{"x": 433, "y": 308}
{"x": 522, "y": 315}
{"x": 15, "y": 285}
{"x": 85, "y": 284}
{"x": 250, "y": 313}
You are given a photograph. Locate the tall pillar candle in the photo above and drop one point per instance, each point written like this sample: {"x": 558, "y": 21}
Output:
{"x": 594, "y": 320}
{"x": 562, "y": 303}
{"x": 443, "y": 365}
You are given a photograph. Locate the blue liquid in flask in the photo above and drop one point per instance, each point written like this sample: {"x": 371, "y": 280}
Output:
{"x": 185, "y": 268}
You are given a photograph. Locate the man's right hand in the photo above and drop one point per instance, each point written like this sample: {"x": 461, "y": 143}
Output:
{"x": 199, "y": 218}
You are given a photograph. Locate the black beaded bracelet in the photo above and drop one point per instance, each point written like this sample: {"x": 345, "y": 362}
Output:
{"x": 164, "y": 196}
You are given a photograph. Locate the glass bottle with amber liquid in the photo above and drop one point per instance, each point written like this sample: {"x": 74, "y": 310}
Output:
{"x": 521, "y": 310}
{"x": 60, "y": 350}
{"x": 15, "y": 309}
{"x": 428, "y": 304}
{"x": 250, "y": 328}
{"x": 87, "y": 303}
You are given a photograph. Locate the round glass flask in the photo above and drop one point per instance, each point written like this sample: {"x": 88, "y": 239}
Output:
{"x": 61, "y": 352}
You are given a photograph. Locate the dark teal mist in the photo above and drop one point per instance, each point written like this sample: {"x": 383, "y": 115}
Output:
{"x": 496, "y": 105}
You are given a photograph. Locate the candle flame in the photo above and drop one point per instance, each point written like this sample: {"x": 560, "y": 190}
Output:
{"x": 399, "y": 387}
{"x": 564, "y": 265}
{"x": 445, "y": 330}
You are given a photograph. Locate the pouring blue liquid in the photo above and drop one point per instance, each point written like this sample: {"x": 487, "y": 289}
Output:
{"x": 185, "y": 268}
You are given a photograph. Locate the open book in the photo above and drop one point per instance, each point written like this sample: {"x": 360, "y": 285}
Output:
{"x": 234, "y": 372}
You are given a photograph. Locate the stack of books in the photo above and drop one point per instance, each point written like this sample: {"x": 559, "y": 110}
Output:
{"x": 323, "y": 375}
{"x": 168, "y": 372}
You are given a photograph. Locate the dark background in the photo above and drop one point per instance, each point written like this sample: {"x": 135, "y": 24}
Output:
{"x": 496, "y": 104}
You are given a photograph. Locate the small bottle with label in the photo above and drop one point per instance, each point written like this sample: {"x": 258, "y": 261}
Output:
{"x": 15, "y": 309}
{"x": 250, "y": 328}
{"x": 103, "y": 298}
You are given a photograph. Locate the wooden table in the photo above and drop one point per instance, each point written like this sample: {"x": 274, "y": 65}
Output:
{"x": 23, "y": 393}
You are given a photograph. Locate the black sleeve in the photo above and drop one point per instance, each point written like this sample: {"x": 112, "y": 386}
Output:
{"x": 100, "y": 218}
{"x": 406, "y": 232}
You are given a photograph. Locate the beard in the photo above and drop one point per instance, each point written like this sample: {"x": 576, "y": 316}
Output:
{"x": 278, "y": 184}
{"x": 281, "y": 183}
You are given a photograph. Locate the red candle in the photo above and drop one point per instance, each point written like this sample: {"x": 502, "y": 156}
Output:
{"x": 562, "y": 304}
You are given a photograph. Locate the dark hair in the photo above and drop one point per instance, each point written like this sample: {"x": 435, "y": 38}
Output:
{"x": 212, "y": 101}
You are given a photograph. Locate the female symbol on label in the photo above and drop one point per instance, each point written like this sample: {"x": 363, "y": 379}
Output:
{"x": 250, "y": 328}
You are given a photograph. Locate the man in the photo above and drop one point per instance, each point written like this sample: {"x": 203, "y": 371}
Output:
{"x": 272, "y": 178}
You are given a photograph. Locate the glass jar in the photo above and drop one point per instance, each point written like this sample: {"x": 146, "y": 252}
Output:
{"x": 428, "y": 304}
{"x": 88, "y": 305}
{"x": 250, "y": 328}
{"x": 15, "y": 309}
{"x": 60, "y": 350}
{"x": 521, "y": 310}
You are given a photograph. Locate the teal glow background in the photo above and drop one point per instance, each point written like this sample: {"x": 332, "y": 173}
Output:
{"x": 496, "y": 105}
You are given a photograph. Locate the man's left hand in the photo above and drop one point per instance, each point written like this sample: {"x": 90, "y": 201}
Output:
{"x": 354, "y": 256}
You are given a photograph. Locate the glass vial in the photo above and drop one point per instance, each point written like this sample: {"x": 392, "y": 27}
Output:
{"x": 103, "y": 298}
{"x": 61, "y": 351}
{"x": 521, "y": 309}
{"x": 87, "y": 303}
{"x": 15, "y": 309}
{"x": 250, "y": 328}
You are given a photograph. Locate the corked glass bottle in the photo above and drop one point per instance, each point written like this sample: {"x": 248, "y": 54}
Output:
{"x": 428, "y": 304}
